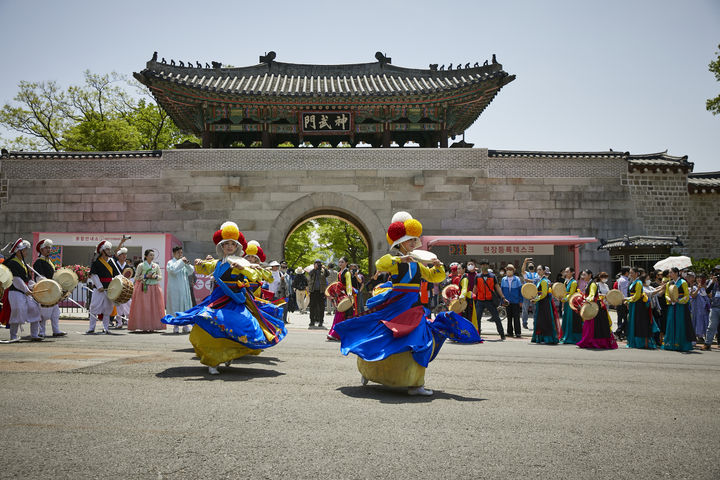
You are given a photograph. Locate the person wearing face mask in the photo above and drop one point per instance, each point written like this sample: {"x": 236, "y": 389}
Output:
{"x": 467, "y": 274}
{"x": 699, "y": 305}
{"x": 679, "y": 333}
{"x": 641, "y": 327}
{"x": 596, "y": 331}
{"x": 395, "y": 340}
{"x": 488, "y": 296}
{"x": 511, "y": 286}
{"x": 148, "y": 305}
{"x": 529, "y": 275}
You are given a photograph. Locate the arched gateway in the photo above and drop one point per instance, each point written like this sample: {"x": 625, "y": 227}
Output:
{"x": 328, "y": 204}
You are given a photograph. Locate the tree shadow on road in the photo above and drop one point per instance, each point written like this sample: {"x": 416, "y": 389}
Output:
{"x": 227, "y": 374}
{"x": 399, "y": 395}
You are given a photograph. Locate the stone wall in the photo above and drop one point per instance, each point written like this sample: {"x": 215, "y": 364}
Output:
{"x": 662, "y": 203}
{"x": 704, "y": 225}
{"x": 452, "y": 191}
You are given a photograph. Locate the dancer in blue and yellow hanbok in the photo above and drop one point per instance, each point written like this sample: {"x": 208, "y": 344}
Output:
{"x": 394, "y": 338}
{"x": 679, "y": 333}
{"x": 571, "y": 321}
{"x": 230, "y": 323}
{"x": 641, "y": 325}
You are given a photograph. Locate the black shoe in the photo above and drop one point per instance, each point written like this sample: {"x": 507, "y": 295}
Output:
{"x": 59, "y": 334}
{"x": 90, "y": 332}
{"x": 107, "y": 332}
{"x": 37, "y": 339}
{"x": 502, "y": 337}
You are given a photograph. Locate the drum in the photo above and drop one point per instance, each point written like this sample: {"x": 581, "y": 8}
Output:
{"x": 128, "y": 272}
{"x": 576, "y": 300}
{"x": 458, "y": 305}
{"x": 337, "y": 292}
{"x": 450, "y": 292}
{"x": 673, "y": 293}
{"x": 67, "y": 279}
{"x": 615, "y": 297}
{"x": 589, "y": 310}
{"x": 529, "y": 291}
{"x": 47, "y": 292}
{"x": 6, "y": 276}
{"x": 120, "y": 290}
{"x": 558, "y": 290}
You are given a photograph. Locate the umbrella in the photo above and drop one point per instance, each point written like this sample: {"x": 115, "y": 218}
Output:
{"x": 679, "y": 262}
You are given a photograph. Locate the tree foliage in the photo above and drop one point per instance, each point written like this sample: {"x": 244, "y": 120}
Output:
{"x": 340, "y": 239}
{"x": 328, "y": 239}
{"x": 101, "y": 114}
{"x": 300, "y": 249}
{"x": 713, "y": 104}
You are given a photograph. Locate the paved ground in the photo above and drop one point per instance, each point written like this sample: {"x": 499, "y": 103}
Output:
{"x": 140, "y": 406}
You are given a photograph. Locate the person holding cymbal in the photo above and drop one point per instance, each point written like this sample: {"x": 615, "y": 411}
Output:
{"x": 394, "y": 339}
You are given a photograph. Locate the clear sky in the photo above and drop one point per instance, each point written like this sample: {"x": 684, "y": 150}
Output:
{"x": 629, "y": 75}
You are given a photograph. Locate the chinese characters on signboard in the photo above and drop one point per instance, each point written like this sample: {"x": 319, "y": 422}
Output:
{"x": 321, "y": 122}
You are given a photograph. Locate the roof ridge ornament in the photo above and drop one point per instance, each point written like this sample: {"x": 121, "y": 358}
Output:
{"x": 383, "y": 59}
{"x": 268, "y": 58}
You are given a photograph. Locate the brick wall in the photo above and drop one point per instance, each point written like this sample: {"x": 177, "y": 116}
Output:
{"x": 452, "y": 191}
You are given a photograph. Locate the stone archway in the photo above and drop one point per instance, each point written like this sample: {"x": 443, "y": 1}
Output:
{"x": 345, "y": 207}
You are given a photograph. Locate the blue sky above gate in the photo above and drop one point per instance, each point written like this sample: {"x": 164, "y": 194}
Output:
{"x": 626, "y": 75}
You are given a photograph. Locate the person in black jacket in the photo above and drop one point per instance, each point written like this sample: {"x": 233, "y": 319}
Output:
{"x": 300, "y": 286}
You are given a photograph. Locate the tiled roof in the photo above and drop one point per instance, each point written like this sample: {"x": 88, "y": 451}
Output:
{"x": 640, "y": 241}
{"x": 658, "y": 161}
{"x": 542, "y": 154}
{"x": 301, "y": 80}
{"x": 81, "y": 155}
{"x": 707, "y": 182}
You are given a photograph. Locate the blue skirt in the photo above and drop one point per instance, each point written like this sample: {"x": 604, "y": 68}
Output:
{"x": 678, "y": 329}
{"x": 568, "y": 327}
{"x": 379, "y": 332}
{"x": 254, "y": 324}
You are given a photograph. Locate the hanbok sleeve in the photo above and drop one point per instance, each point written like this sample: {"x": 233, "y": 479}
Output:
{"x": 636, "y": 294}
{"x": 348, "y": 284}
{"x": 20, "y": 285}
{"x": 156, "y": 270}
{"x": 464, "y": 287}
{"x": 432, "y": 275}
{"x": 175, "y": 266}
{"x": 206, "y": 267}
{"x": 388, "y": 263}
{"x": 543, "y": 291}
{"x": 571, "y": 292}
{"x": 592, "y": 292}
{"x": 684, "y": 293}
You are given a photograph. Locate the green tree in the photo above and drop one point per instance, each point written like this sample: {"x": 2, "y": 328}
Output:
{"x": 338, "y": 239}
{"x": 713, "y": 104}
{"x": 101, "y": 114}
{"x": 300, "y": 249}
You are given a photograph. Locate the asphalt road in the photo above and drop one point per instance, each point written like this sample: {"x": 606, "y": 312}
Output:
{"x": 141, "y": 406}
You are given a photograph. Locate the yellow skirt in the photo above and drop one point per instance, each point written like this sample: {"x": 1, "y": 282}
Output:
{"x": 399, "y": 370}
{"x": 214, "y": 351}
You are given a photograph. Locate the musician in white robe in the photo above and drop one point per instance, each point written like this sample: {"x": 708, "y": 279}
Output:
{"x": 45, "y": 268}
{"x": 102, "y": 271}
{"x": 123, "y": 309}
{"x": 23, "y": 307}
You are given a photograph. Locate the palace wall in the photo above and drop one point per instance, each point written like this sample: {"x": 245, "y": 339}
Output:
{"x": 704, "y": 225}
{"x": 268, "y": 191}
